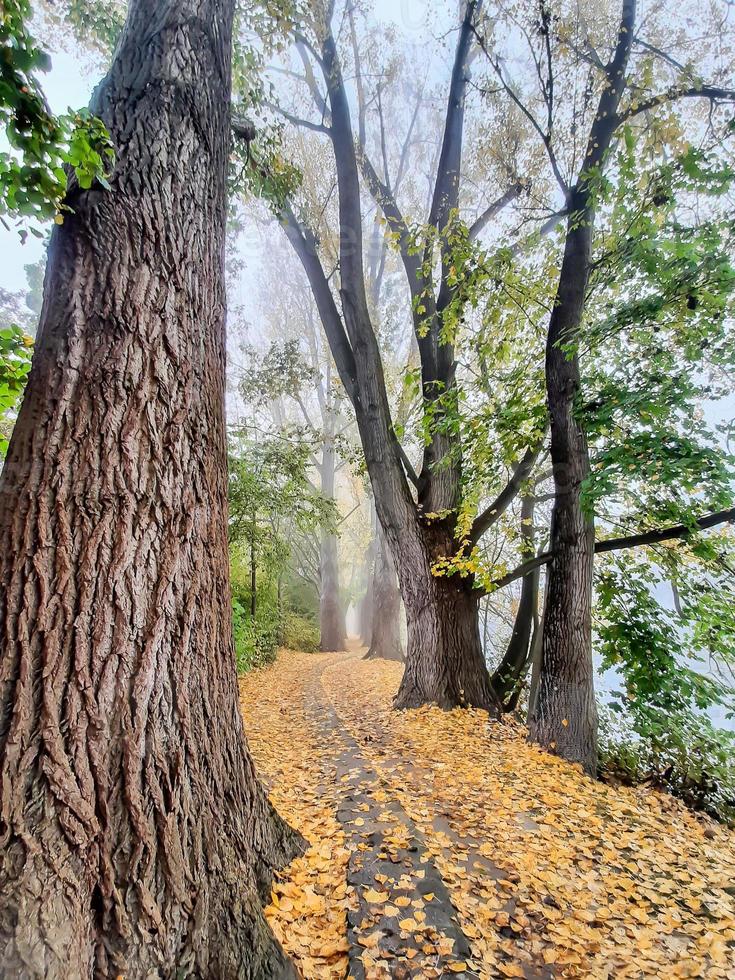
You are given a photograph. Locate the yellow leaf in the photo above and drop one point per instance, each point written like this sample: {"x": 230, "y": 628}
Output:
{"x": 374, "y": 897}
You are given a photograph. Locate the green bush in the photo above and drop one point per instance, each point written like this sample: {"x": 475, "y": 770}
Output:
{"x": 300, "y": 633}
{"x": 682, "y": 753}
{"x": 256, "y": 641}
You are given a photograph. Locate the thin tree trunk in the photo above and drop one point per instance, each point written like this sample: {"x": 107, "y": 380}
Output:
{"x": 279, "y": 609}
{"x": 367, "y": 603}
{"x": 386, "y": 631}
{"x": 535, "y": 655}
{"x": 508, "y": 678}
{"x": 253, "y": 574}
{"x": 135, "y": 839}
{"x": 331, "y": 611}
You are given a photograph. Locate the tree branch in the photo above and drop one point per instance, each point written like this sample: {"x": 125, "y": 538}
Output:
{"x": 506, "y": 496}
{"x": 495, "y": 208}
{"x": 297, "y": 120}
{"x": 711, "y": 92}
{"x": 304, "y": 243}
{"x": 677, "y": 531}
{"x": 408, "y": 466}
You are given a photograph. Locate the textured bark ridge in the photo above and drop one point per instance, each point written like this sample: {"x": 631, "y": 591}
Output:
{"x": 445, "y": 663}
{"x": 134, "y": 836}
{"x": 385, "y": 635}
{"x": 564, "y": 716}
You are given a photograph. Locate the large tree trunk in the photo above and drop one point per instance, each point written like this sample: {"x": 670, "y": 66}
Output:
{"x": 445, "y": 663}
{"x": 565, "y": 714}
{"x": 386, "y": 626}
{"x": 135, "y": 839}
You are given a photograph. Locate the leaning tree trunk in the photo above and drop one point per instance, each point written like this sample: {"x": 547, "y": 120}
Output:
{"x": 508, "y": 678}
{"x": 135, "y": 839}
{"x": 564, "y": 717}
{"x": 385, "y": 640}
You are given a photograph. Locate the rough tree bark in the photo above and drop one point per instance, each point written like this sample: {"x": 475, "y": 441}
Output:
{"x": 385, "y": 641}
{"x": 134, "y": 837}
{"x": 564, "y": 716}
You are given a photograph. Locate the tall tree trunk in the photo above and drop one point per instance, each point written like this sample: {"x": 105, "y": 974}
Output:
{"x": 367, "y": 603}
{"x": 444, "y": 659}
{"x": 508, "y": 677}
{"x": 331, "y": 610}
{"x": 386, "y": 628}
{"x": 565, "y": 714}
{"x": 134, "y": 837}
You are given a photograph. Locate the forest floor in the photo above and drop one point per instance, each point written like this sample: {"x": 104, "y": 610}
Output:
{"x": 442, "y": 844}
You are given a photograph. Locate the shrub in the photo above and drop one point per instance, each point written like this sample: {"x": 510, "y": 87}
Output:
{"x": 256, "y": 640}
{"x": 300, "y": 633}
{"x": 682, "y": 753}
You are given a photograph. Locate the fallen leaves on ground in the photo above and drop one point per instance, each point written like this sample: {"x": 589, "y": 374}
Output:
{"x": 309, "y": 899}
{"x": 545, "y": 865}
{"x": 552, "y": 874}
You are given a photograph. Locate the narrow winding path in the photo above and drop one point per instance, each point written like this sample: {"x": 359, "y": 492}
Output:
{"x": 443, "y": 845}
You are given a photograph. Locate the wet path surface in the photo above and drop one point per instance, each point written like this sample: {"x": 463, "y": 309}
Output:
{"x": 402, "y": 910}
{"x": 442, "y": 844}
{"x": 402, "y": 917}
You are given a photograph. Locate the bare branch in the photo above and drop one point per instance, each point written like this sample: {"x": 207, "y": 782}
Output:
{"x": 506, "y": 496}
{"x": 657, "y": 536}
{"x": 494, "y": 209}
{"x": 297, "y": 120}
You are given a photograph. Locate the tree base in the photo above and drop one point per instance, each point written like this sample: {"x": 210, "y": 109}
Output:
{"x": 445, "y": 664}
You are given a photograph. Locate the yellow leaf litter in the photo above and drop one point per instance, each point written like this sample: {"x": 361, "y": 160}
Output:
{"x": 548, "y": 870}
